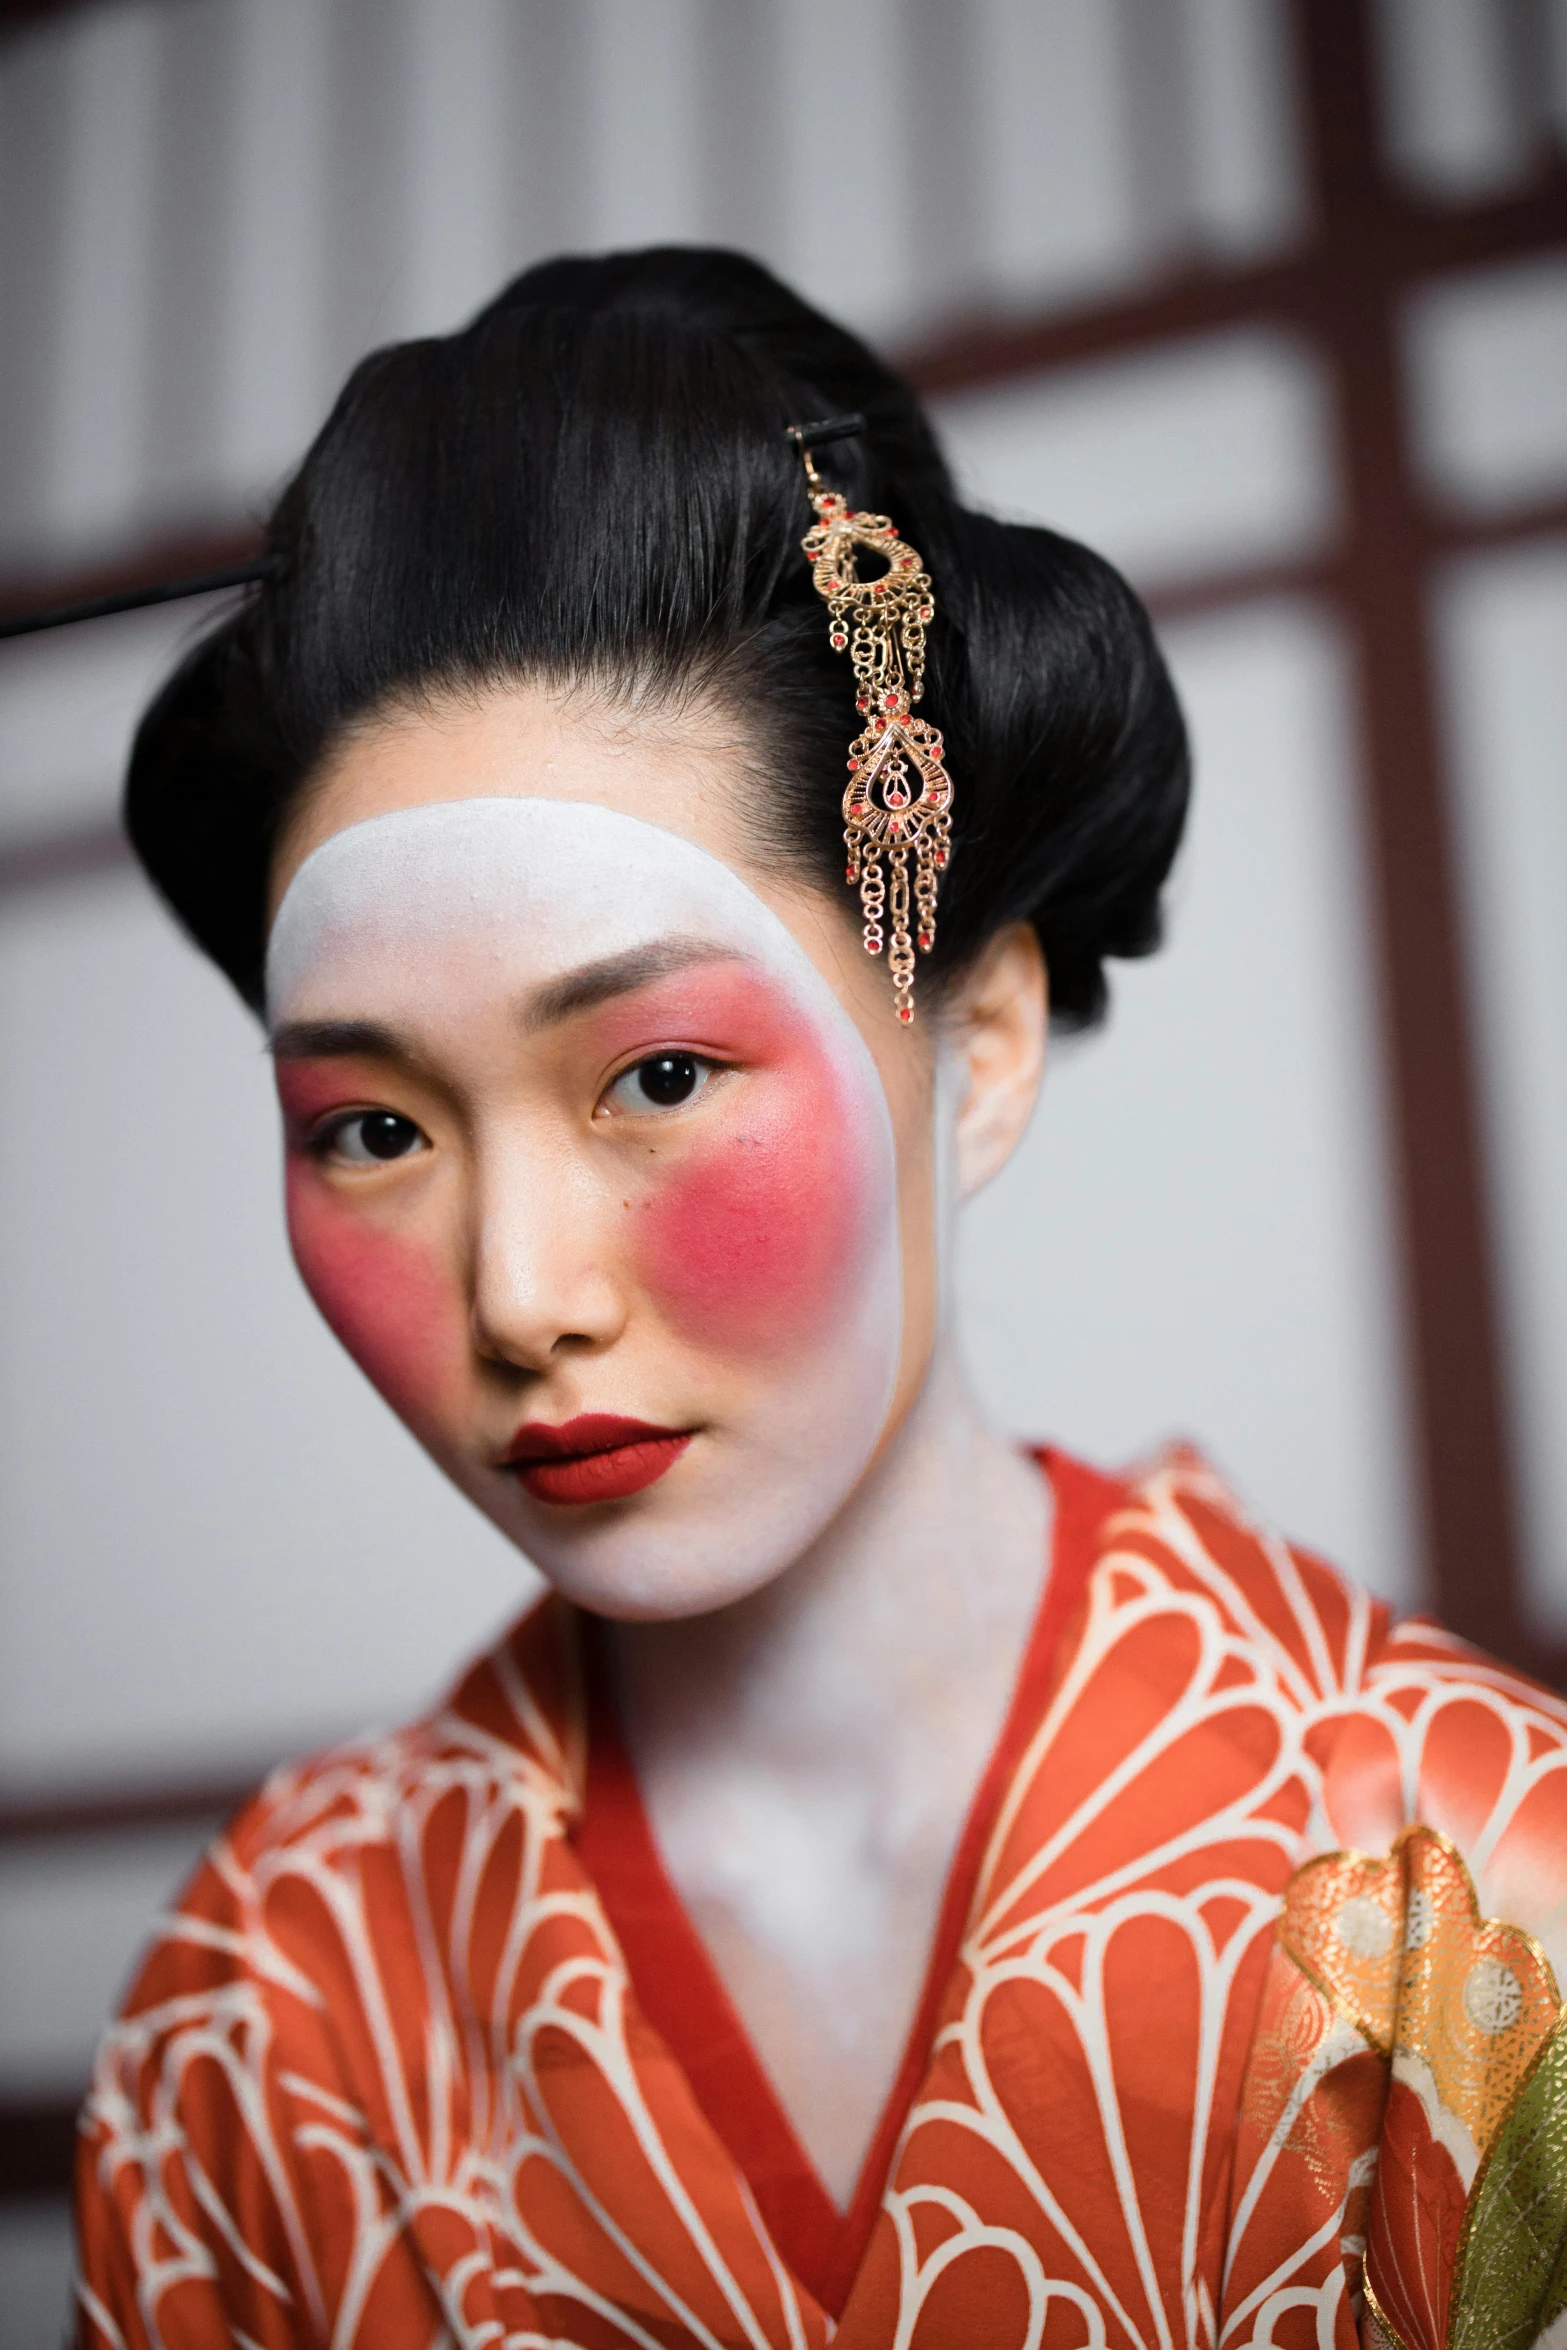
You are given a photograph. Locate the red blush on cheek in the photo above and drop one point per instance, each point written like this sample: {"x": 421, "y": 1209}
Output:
{"x": 758, "y": 1232}
{"x": 756, "y": 1242}
{"x": 388, "y": 1298}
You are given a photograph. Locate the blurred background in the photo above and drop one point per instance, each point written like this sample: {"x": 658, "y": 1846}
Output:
{"x": 1265, "y": 298}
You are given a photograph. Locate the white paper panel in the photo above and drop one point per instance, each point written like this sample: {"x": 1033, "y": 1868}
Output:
{"x": 1505, "y": 630}
{"x": 1460, "y": 115}
{"x": 1247, "y": 170}
{"x": 69, "y": 703}
{"x": 1488, "y": 360}
{"x": 462, "y": 118}
{"x": 95, "y": 466}
{"x": 34, "y": 150}
{"x": 644, "y": 143}
{"x": 75, "y": 1916}
{"x": 1065, "y": 190}
{"x": 848, "y": 211}
{"x": 273, "y": 183}
{"x": 217, "y": 1542}
{"x": 1053, "y": 175}
{"x": 1195, "y": 1240}
{"x": 1189, "y": 459}
{"x": 250, "y": 193}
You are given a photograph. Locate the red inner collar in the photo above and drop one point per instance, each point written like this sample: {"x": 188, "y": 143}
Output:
{"x": 679, "y": 1990}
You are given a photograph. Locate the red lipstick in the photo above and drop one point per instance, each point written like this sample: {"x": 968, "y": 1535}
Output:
{"x": 596, "y": 1457}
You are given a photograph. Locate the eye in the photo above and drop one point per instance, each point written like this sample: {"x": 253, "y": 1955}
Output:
{"x": 665, "y": 1081}
{"x": 369, "y": 1138}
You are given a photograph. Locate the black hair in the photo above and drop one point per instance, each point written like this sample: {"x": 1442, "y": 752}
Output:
{"x": 591, "y": 483}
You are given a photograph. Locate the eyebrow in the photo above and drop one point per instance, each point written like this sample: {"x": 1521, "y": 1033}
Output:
{"x": 337, "y": 1040}
{"x": 614, "y": 975}
{"x": 560, "y": 999}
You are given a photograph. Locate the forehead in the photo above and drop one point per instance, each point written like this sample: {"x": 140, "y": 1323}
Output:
{"x": 683, "y": 770}
{"x": 508, "y": 892}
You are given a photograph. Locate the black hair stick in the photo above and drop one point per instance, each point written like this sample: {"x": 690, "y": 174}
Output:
{"x": 169, "y": 591}
{"x": 832, "y": 428}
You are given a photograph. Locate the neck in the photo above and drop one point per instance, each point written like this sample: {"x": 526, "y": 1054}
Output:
{"x": 906, "y": 1617}
{"x": 807, "y": 1756}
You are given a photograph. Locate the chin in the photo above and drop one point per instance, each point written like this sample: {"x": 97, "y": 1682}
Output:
{"x": 641, "y": 1595}
{"x": 668, "y": 1553}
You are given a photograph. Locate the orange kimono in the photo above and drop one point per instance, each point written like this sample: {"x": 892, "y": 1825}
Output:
{"x": 1240, "y": 2028}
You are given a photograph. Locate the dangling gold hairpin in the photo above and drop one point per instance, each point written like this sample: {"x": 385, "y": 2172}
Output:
{"x": 899, "y": 797}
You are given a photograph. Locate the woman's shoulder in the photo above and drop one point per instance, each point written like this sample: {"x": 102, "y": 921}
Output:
{"x": 339, "y": 1829}
{"x": 1398, "y": 1727}
{"x": 1175, "y": 1530}
{"x": 509, "y": 1732}
{"x": 1177, "y": 1554}
{"x": 299, "y": 1958}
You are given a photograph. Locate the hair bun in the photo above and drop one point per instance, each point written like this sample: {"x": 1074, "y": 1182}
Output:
{"x": 591, "y": 481}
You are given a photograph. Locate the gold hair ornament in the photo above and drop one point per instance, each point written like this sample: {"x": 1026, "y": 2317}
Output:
{"x": 897, "y": 807}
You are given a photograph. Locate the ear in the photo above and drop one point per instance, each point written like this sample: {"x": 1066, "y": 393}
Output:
{"x": 996, "y": 1026}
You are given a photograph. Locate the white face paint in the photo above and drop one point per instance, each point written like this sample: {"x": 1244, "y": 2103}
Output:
{"x": 527, "y": 985}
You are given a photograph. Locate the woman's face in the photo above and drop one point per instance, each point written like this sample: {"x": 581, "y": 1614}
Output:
{"x": 607, "y": 1159}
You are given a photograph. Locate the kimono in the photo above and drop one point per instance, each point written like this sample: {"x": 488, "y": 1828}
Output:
{"x": 1242, "y": 2023}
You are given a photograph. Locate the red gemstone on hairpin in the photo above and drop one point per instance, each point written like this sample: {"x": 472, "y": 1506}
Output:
{"x": 889, "y": 701}
{"x": 905, "y": 1012}
{"x": 873, "y": 946}
{"x": 926, "y": 940}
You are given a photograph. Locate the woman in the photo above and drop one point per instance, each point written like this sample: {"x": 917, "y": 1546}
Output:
{"x": 891, "y": 1884}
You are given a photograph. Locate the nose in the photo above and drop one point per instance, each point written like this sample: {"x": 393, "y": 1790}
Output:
{"x": 545, "y": 1280}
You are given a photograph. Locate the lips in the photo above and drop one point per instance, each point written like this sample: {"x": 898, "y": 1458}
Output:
{"x": 596, "y": 1457}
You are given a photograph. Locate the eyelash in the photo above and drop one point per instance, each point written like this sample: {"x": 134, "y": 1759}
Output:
{"x": 705, "y": 1066}
{"x": 324, "y": 1141}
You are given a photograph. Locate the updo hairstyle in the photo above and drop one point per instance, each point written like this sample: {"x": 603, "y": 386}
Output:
{"x": 590, "y": 485}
